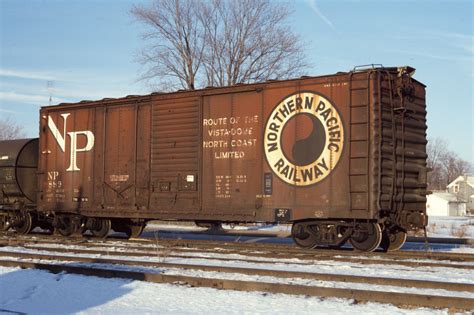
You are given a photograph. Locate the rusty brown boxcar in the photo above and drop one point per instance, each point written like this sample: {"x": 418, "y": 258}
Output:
{"x": 342, "y": 157}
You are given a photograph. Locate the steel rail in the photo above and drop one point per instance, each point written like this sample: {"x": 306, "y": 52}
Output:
{"x": 424, "y": 284}
{"x": 168, "y": 252}
{"x": 282, "y": 250}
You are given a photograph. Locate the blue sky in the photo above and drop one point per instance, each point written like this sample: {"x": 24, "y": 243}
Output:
{"x": 88, "y": 48}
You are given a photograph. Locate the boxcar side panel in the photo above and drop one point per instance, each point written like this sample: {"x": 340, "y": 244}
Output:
{"x": 98, "y": 203}
{"x": 232, "y": 155}
{"x": 310, "y": 165}
{"x": 275, "y": 170}
{"x": 175, "y": 156}
{"x": 119, "y": 155}
{"x": 96, "y": 159}
{"x": 143, "y": 160}
{"x": 66, "y": 159}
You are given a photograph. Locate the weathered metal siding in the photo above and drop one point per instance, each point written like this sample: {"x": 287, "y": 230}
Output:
{"x": 234, "y": 176}
{"x": 400, "y": 135}
{"x": 360, "y": 142}
{"x": 232, "y": 154}
{"x": 175, "y": 155}
{"x": 286, "y": 150}
{"x": 143, "y": 160}
{"x": 234, "y": 179}
{"x": 328, "y": 197}
{"x": 119, "y": 156}
{"x": 122, "y": 159}
{"x": 94, "y": 158}
{"x": 66, "y": 178}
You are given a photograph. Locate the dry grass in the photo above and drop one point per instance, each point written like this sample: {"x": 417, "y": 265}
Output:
{"x": 163, "y": 251}
{"x": 460, "y": 231}
{"x": 431, "y": 228}
{"x": 417, "y": 233}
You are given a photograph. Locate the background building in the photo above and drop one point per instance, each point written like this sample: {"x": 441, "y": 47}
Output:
{"x": 442, "y": 203}
{"x": 463, "y": 188}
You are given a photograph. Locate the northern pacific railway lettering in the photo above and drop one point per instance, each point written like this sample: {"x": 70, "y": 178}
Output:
{"x": 297, "y": 175}
{"x": 307, "y": 159}
{"x": 285, "y": 109}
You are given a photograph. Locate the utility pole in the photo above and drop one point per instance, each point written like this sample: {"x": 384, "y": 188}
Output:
{"x": 50, "y": 88}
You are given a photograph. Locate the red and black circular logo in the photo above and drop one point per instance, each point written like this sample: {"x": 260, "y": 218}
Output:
{"x": 304, "y": 138}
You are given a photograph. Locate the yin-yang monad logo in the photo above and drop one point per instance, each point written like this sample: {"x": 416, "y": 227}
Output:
{"x": 304, "y": 138}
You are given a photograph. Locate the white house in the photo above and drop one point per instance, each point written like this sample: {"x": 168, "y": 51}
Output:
{"x": 463, "y": 188}
{"x": 445, "y": 204}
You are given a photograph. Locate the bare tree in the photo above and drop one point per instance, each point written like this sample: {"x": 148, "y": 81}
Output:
{"x": 445, "y": 165}
{"x": 436, "y": 149}
{"x": 10, "y": 130}
{"x": 176, "y": 42}
{"x": 218, "y": 42}
{"x": 249, "y": 41}
{"x": 454, "y": 166}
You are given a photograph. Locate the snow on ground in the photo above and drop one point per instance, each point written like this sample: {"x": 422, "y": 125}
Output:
{"x": 258, "y": 278}
{"x": 40, "y": 292}
{"x": 257, "y": 227}
{"x": 265, "y": 279}
{"x": 465, "y": 250}
{"x": 462, "y": 227}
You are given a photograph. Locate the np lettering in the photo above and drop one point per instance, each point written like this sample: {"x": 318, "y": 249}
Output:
{"x": 73, "y": 136}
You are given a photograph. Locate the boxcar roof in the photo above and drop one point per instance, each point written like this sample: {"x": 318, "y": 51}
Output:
{"x": 209, "y": 90}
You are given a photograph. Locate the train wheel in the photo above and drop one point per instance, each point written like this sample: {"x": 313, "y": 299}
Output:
{"x": 4, "y": 225}
{"x": 25, "y": 225}
{"x": 302, "y": 237}
{"x": 67, "y": 226}
{"x": 133, "y": 230}
{"x": 393, "y": 241}
{"x": 102, "y": 228}
{"x": 366, "y": 237}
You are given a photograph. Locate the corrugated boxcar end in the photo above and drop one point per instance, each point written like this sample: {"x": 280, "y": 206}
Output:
{"x": 343, "y": 157}
{"x": 401, "y": 134}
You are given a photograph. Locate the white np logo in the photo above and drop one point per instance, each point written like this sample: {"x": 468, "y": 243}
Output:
{"x": 61, "y": 139}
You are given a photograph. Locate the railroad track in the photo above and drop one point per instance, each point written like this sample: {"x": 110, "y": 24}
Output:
{"x": 242, "y": 255}
{"x": 450, "y": 286}
{"x": 323, "y": 287}
{"x": 281, "y": 251}
{"x": 222, "y": 255}
{"x": 75, "y": 250}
